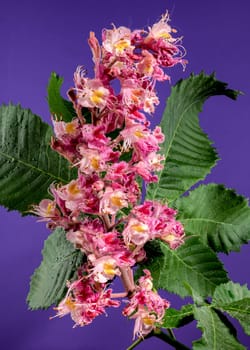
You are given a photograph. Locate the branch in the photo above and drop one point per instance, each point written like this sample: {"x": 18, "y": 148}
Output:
{"x": 161, "y": 335}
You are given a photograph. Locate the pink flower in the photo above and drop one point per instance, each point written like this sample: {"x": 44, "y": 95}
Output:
{"x": 144, "y": 170}
{"x": 160, "y": 221}
{"x": 154, "y": 160}
{"x": 84, "y": 303}
{"x": 92, "y": 94}
{"x": 87, "y": 236}
{"x": 64, "y": 131}
{"x": 92, "y": 161}
{"x": 112, "y": 201}
{"x": 132, "y": 93}
{"x": 134, "y": 134}
{"x": 46, "y": 210}
{"x": 146, "y": 307}
{"x": 173, "y": 234}
{"x": 105, "y": 268}
{"x": 136, "y": 232}
{"x": 117, "y": 41}
{"x": 147, "y": 64}
{"x": 161, "y": 30}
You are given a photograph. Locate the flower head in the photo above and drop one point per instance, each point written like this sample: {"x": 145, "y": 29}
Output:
{"x": 146, "y": 307}
{"x": 110, "y": 143}
{"x": 84, "y": 303}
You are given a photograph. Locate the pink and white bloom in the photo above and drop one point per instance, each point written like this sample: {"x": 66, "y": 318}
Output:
{"x": 92, "y": 160}
{"x": 112, "y": 201}
{"x": 136, "y": 232}
{"x": 104, "y": 268}
{"x": 154, "y": 161}
{"x": 93, "y": 94}
{"x": 161, "y": 30}
{"x": 46, "y": 209}
{"x": 99, "y": 209}
{"x": 117, "y": 41}
{"x": 64, "y": 130}
{"x": 146, "y": 307}
{"x": 134, "y": 134}
{"x": 84, "y": 303}
{"x": 161, "y": 223}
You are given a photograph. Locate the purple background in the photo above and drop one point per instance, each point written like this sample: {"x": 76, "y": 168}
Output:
{"x": 38, "y": 37}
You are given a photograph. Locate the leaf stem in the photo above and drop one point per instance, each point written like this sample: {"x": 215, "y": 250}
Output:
{"x": 171, "y": 333}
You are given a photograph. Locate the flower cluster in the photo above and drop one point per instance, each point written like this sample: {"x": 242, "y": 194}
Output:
{"x": 111, "y": 144}
{"x": 85, "y": 300}
{"x": 146, "y": 306}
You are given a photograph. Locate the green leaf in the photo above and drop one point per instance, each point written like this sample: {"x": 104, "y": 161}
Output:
{"x": 218, "y": 215}
{"x": 27, "y": 163}
{"x": 192, "y": 263}
{"x": 229, "y": 292}
{"x": 177, "y": 318}
{"x": 235, "y": 300}
{"x": 60, "y": 262}
{"x": 216, "y": 335}
{"x": 188, "y": 151}
{"x": 58, "y": 106}
{"x": 197, "y": 298}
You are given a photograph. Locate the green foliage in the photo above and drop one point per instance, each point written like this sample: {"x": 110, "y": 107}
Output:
{"x": 235, "y": 300}
{"x": 230, "y": 292}
{"x": 192, "y": 263}
{"x": 27, "y": 163}
{"x": 60, "y": 262}
{"x": 177, "y": 318}
{"x": 216, "y": 334}
{"x": 58, "y": 106}
{"x": 218, "y": 215}
{"x": 188, "y": 151}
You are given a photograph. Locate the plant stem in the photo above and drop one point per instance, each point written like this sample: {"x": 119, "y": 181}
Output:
{"x": 119, "y": 295}
{"x": 137, "y": 342}
{"x": 163, "y": 336}
{"x": 106, "y": 221}
{"x": 127, "y": 279}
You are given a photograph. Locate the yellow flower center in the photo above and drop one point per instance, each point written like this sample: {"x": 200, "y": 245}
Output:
{"x": 117, "y": 201}
{"x": 139, "y": 133}
{"x": 121, "y": 45}
{"x": 70, "y": 304}
{"x": 165, "y": 35}
{"x": 148, "y": 68}
{"x": 70, "y": 128}
{"x": 49, "y": 209}
{"x": 73, "y": 188}
{"x": 97, "y": 96}
{"x": 109, "y": 268}
{"x": 95, "y": 163}
{"x": 169, "y": 237}
{"x": 148, "y": 321}
{"x": 140, "y": 228}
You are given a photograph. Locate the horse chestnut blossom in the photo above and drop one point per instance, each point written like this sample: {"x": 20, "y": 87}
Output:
{"x": 110, "y": 142}
{"x": 145, "y": 306}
